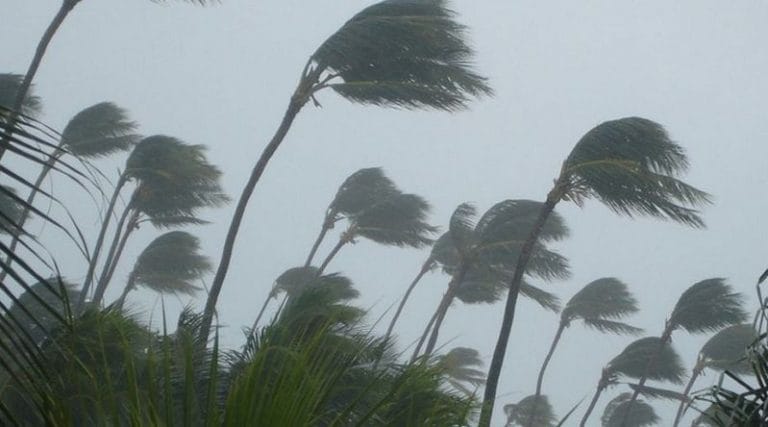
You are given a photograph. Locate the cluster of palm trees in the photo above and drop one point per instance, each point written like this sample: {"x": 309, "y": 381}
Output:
{"x": 71, "y": 355}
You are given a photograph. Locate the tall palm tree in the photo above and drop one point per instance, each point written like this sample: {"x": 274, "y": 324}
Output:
{"x": 600, "y": 305}
{"x": 460, "y": 366}
{"x": 358, "y": 192}
{"x": 633, "y": 167}
{"x": 534, "y": 411}
{"x": 641, "y": 415}
{"x": 97, "y": 131}
{"x": 396, "y": 53}
{"x": 169, "y": 264}
{"x": 632, "y": 363}
{"x": 725, "y": 350}
{"x": 397, "y": 220}
{"x": 706, "y": 306}
{"x": 477, "y": 256}
{"x": 173, "y": 181}
{"x": 426, "y": 267}
{"x": 24, "y": 85}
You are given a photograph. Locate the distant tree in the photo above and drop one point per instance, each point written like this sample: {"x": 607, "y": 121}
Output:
{"x": 169, "y": 264}
{"x": 632, "y": 363}
{"x": 460, "y": 367}
{"x": 632, "y": 166}
{"x": 641, "y": 415}
{"x": 600, "y": 305}
{"x": 726, "y": 350}
{"x": 402, "y": 54}
{"x": 478, "y": 257}
{"x": 534, "y": 411}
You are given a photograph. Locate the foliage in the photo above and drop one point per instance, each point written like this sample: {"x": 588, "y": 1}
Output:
{"x": 727, "y": 349}
{"x": 708, "y": 306}
{"x": 520, "y": 412}
{"x": 641, "y": 414}
{"x": 632, "y": 362}
{"x": 460, "y": 365}
{"x": 9, "y": 87}
{"x": 99, "y": 131}
{"x": 600, "y": 304}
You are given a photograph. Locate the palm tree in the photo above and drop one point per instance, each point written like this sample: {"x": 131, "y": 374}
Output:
{"x": 706, "y": 306}
{"x": 632, "y": 166}
{"x": 358, "y": 192}
{"x": 477, "y": 256}
{"x": 396, "y": 53}
{"x": 426, "y": 267}
{"x": 173, "y": 181}
{"x": 9, "y": 87}
{"x": 534, "y": 411}
{"x": 726, "y": 350}
{"x": 600, "y": 305}
{"x": 632, "y": 363}
{"x": 641, "y": 415}
{"x": 460, "y": 367}
{"x": 397, "y": 220}
{"x": 169, "y": 264}
{"x": 97, "y": 131}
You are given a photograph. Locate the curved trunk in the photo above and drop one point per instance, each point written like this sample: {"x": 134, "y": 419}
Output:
{"x": 343, "y": 241}
{"x": 42, "y": 46}
{"x": 666, "y": 337}
{"x": 544, "y": 365}
{"x": 25, "y": 213}
{"x": 110, "y": 263}
{"x": 261, "y": 313}
{"x": 424, "y": 335}
{"x": 316, "y": 245}
{"x": 591, "y": 406}
{"x": 445, "y": 304}
{"x": 681, "y": 409}
{"x": 424, "y": 269}
{"x": 100, "y": 241}
{"x": 500, "y": 351}
{"x": 298, "y": 100}
{"x": 131, "y": 285}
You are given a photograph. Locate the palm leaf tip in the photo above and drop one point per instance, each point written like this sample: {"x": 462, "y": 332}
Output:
{"x": 399, "y": 220}
{"x": 632, "y": 166}
{"x": 600, "y": 304}
{"x": 634, "y": 361}
{"x": 361, "y": 190}
{"x": 403, "y": 53}
{"x": 99, "y": 130}
{"x": 708, "y": 306}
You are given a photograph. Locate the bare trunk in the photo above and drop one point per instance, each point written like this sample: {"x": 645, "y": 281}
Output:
{"x": 100, "y": 241}
{"x": 298, "y": 100}
{"x": 42, "y": 46}
{"x": 445, "y": 304}
{"x": 683, "y": 403}
{"x": 261, "y": 313}
{"x": 424, "y": 269}
{"x": 544, "y": 365}
{"x": 424, "y": 335}
{"x": 131, "y": 285}
{"x": 111, "y": 263}
{"x": 500, "y": 351}
{"x": 343, "y": 241}
{"x": 316, "y": 245}
{"x": 591, "y": 407}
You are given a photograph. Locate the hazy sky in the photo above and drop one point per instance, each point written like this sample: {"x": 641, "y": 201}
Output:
{"x": 221, "y": 76}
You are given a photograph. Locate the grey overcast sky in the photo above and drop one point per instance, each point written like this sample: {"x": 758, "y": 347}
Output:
{"x": 221, "y": 76}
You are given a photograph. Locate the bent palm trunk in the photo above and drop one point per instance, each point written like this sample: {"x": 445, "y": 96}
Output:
{"x": 540, "y": 379}
{"x": 424, "y": 269}
{"x": 683, "y": 403}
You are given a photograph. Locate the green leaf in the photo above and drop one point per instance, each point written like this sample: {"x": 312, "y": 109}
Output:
{"x": 727, "y": 349}
{"x": 708, "y": 306}
{"x": 636, "y": 357}
{"x": 99, "y": 130}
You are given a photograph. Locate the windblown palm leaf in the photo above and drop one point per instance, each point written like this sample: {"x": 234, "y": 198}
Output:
{"x": 171, "y": 264}
{"x": 402, "y": 53}
{"x": 361, "y": 190}
{"x": 641, "y": 414}
{"x": 33, "y": 316}
{"x": 727, "y": 349}
{"x": 631, "y": 165}
{"x": 295, "y": 281}
{"x": 600, "y": 304}
{"x": 520, "y": 413}
{"x": 98, "y": 131}
{"x": 460, "y": 367}
{"x": 398, "y": 220}
{"x": 9, "y": 87}
{"x": 708, "y": 306}
{"x": 632, "y": 362}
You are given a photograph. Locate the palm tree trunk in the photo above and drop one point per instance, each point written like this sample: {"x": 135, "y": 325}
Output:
{"x": 261, "y": 312}
{"x": 424, "y": 336}
{"x": 298, "y": 100}
{"x": 42, "y": 46}
{"x": 25, "y": 213}
{"x": 424, "y": 269}
{"x": 316, "y": 245}
{"x": 591, "y": 407}
{"x": 681, "y": 409}
{"x": 544, "y": 365}
{"x": 128, "y": 288}
{"x": 500, "y": 351}
{"x": 100, "y": 241}
{"x": 110, "y": 264}
{"x": 342, "y": 241}
{"x": 666, "y": 337}
{"x": 445, "y": 304}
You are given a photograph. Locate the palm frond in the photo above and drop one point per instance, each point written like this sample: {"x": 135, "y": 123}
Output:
{"x": 460, "y": 367}
{"x": 658, "y": 393}
{"x": 512, "y": 221}
{"x": 362, "y": 190}
{"x": 171, "y": 264}
{"x": 402, "y": 53}
{"x": 295, "y": 281}
{"x": 631, "y": 165}
{"x": 606, "y": 298}
{"x": 399, "y": 220}
{"x": 611, "y": 326}
{"x": 546, "y": 300}
{"x": 11, "y": 211}
{"x": 727, "y": 349}
{"x": 461, "y": 227}
{"x": 708, "y": 306}
{"x": 30, "y": 307}
{"x": 520, "y": 413}
{"x": 634, "y": 361}
{"x": 99, "y": 130}
{"x": 9, "y": 87}
{"x": 641, "y": 415}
